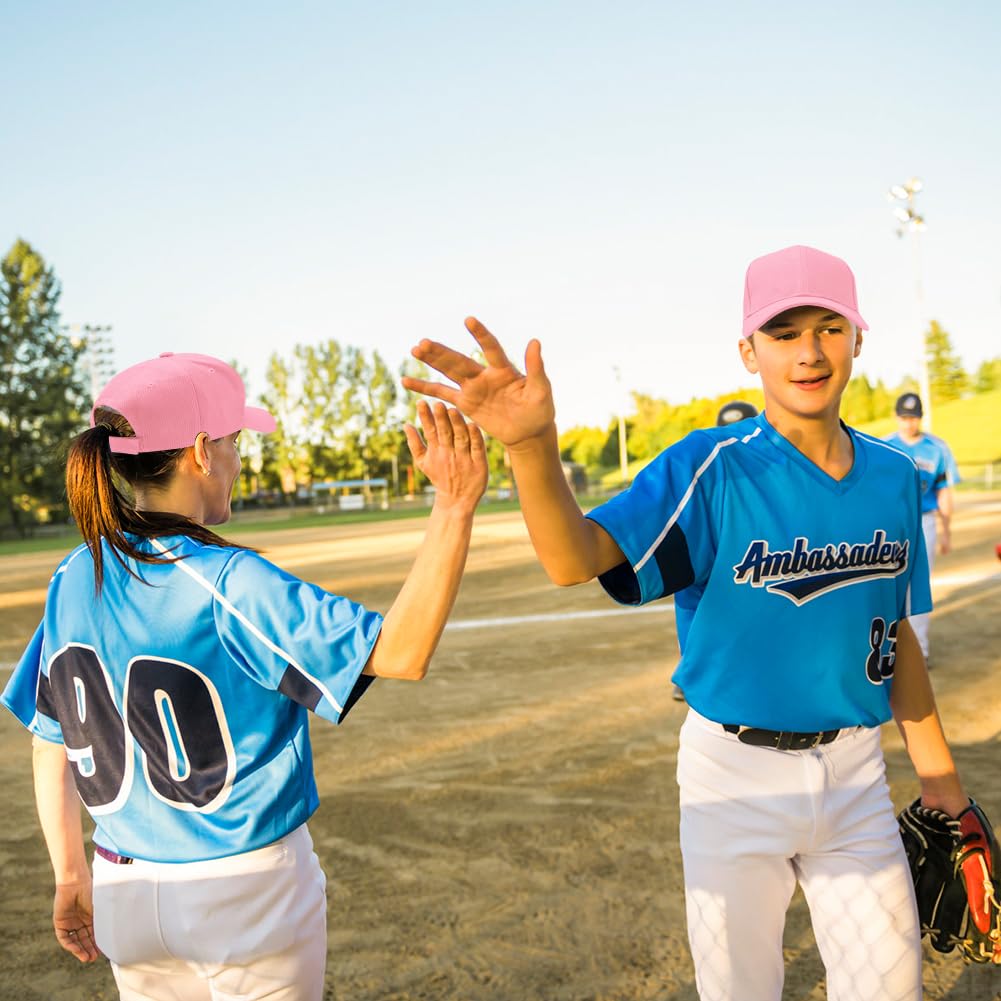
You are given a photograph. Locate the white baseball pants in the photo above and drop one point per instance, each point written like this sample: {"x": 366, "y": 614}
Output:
{"x": 754, "y": 821}
{"x": 919, "y": 623}
{"x": 245, "y": 927}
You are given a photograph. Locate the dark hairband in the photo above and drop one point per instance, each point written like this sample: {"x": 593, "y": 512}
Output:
{"x": 108, "y": 432}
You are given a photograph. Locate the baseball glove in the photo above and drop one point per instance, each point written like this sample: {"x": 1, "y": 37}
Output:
{"x": 952, "y": 864}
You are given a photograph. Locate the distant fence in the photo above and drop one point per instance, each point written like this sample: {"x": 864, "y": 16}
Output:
{"x": 985, "y": 475}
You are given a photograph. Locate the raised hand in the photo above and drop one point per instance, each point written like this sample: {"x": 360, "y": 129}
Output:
{"x": 451, "y": 455}
{"x": 506, "y": 404}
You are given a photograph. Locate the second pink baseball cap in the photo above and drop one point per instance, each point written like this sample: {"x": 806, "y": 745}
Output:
{"x": 798, "y": 276}
{"x": 172, "y": 399}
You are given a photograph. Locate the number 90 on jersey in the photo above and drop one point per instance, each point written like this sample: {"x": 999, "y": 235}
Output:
{"x": 170, "y": 710}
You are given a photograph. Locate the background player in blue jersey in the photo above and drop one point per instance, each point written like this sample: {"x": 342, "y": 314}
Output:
{"x": 803, "y": 540}
{"x": 686, "y": 601}
{"x": 169, "y": 682}
{"x": 938, "y": 472}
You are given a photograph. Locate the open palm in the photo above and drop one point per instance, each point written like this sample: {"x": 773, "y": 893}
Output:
{"x": 452, "y": 455}
{"x": 506, "y": 404}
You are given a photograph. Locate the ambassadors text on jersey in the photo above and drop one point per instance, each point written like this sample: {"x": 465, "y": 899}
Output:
{"x": 793, "y": 583}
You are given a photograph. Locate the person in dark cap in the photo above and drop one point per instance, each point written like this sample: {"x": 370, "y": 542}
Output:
{"x": 938, "y": 472}
{"x": 735, "y": 410}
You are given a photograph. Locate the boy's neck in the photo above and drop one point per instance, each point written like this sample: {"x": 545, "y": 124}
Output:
{"x": 821, "y": 439}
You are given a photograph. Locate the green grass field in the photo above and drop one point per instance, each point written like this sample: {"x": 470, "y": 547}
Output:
{"x": 256, "y": 521}
{"x": 972, "y": 428}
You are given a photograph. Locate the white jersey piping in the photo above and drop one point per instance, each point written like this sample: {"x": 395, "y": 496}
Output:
{"x": 683, "y": 503}
{"x": 233, "y": 610}
{"x": 884, "y": 444}
{"x": 69, "y": 559}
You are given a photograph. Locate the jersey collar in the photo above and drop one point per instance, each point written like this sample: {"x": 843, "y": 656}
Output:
{"x": 795, "y": 456}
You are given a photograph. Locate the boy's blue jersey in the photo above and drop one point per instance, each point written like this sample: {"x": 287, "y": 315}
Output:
{"x": 686, "y": 603}
{"x": 797, "y": 581}
{"x": 182, "y": 703}
{"x": 935, "y": 463}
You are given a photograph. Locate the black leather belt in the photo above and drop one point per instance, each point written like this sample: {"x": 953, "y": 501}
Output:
{"x": 782, "y": 740}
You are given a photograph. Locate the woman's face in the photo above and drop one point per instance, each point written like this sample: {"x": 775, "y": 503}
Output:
{"x": 224, "y": 457}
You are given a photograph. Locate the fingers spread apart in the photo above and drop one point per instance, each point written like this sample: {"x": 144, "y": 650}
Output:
{"x": 452, "y": 364}
{"x": 443, "y": 427}
{"x": 492, "y": 350}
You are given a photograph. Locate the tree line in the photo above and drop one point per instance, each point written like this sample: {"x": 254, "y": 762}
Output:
{"x": 339, "y": 409}
{"x": 656, "y": 423}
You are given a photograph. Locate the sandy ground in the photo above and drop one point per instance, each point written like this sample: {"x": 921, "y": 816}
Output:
{"x": 507, "y": 829}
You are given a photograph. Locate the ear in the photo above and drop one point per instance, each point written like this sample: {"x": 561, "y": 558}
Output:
{"x": 746, "y": 347}
{"x": 858, "y": 342}
{"x": 200, "y": 454}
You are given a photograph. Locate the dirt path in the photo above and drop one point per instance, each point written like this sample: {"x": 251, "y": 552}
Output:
{"x": 507, "y": 830}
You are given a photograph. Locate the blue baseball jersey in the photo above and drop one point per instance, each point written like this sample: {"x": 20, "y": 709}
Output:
{"x": 794, "y": 583}
{"x": 182, "y": 702}
{"x": 686, "y": 602}
{"x": 935, "y": 463}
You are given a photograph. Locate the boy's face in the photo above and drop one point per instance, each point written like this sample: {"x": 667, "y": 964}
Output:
{"x": 804, "y": 357}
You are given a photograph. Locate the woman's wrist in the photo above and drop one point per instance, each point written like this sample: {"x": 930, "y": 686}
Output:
{"x": 73, "y": 878}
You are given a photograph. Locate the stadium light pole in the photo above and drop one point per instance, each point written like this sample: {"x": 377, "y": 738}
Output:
{"x": 97, "y": 352}
{"x": 911, "y": 221}
{"x": 621, "y": 409}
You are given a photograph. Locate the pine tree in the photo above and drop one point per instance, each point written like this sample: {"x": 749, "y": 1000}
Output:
{"x": 988, "y": 376}
{"x": 43, "y": 399}
{"x": 946, "y": 376}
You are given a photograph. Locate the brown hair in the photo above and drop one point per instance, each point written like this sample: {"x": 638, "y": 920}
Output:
{"x": 103, "y": 510}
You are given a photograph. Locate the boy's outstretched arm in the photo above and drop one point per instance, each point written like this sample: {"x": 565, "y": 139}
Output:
{"x": 518, "y": 410}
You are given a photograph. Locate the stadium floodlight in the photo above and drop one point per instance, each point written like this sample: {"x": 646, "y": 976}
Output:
{"x": 913, "y": 222}
{"x": 621, "y": 408}
{"x": 98, "y": 352}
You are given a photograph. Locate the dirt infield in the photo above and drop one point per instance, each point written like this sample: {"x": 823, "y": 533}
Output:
{"x": 507, "y": 829}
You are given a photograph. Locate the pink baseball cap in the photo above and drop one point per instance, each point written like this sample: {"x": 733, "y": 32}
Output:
{"x": 172, "y": 399}
{"x": 798, "y": 276}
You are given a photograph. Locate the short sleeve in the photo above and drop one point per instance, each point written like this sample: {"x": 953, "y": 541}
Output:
{"x": 664, "y": 523}
{"x": 294, "y": 637}
{"x": 917, "y": 594}
{"x": 952, "y": 476}
{"x": 27, "y": 693}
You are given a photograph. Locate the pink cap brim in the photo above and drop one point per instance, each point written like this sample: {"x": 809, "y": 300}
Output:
{"x": 258, "y": 419}
{"x": 759, "y": 318}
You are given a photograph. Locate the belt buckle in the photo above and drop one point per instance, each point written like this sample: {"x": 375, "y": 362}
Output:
{"x": 818, "y": 739}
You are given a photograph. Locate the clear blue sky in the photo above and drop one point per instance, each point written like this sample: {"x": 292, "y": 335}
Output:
{"x": 236, "y": 177}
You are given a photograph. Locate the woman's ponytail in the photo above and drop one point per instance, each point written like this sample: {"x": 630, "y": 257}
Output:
{"x": 94, "y": 500}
